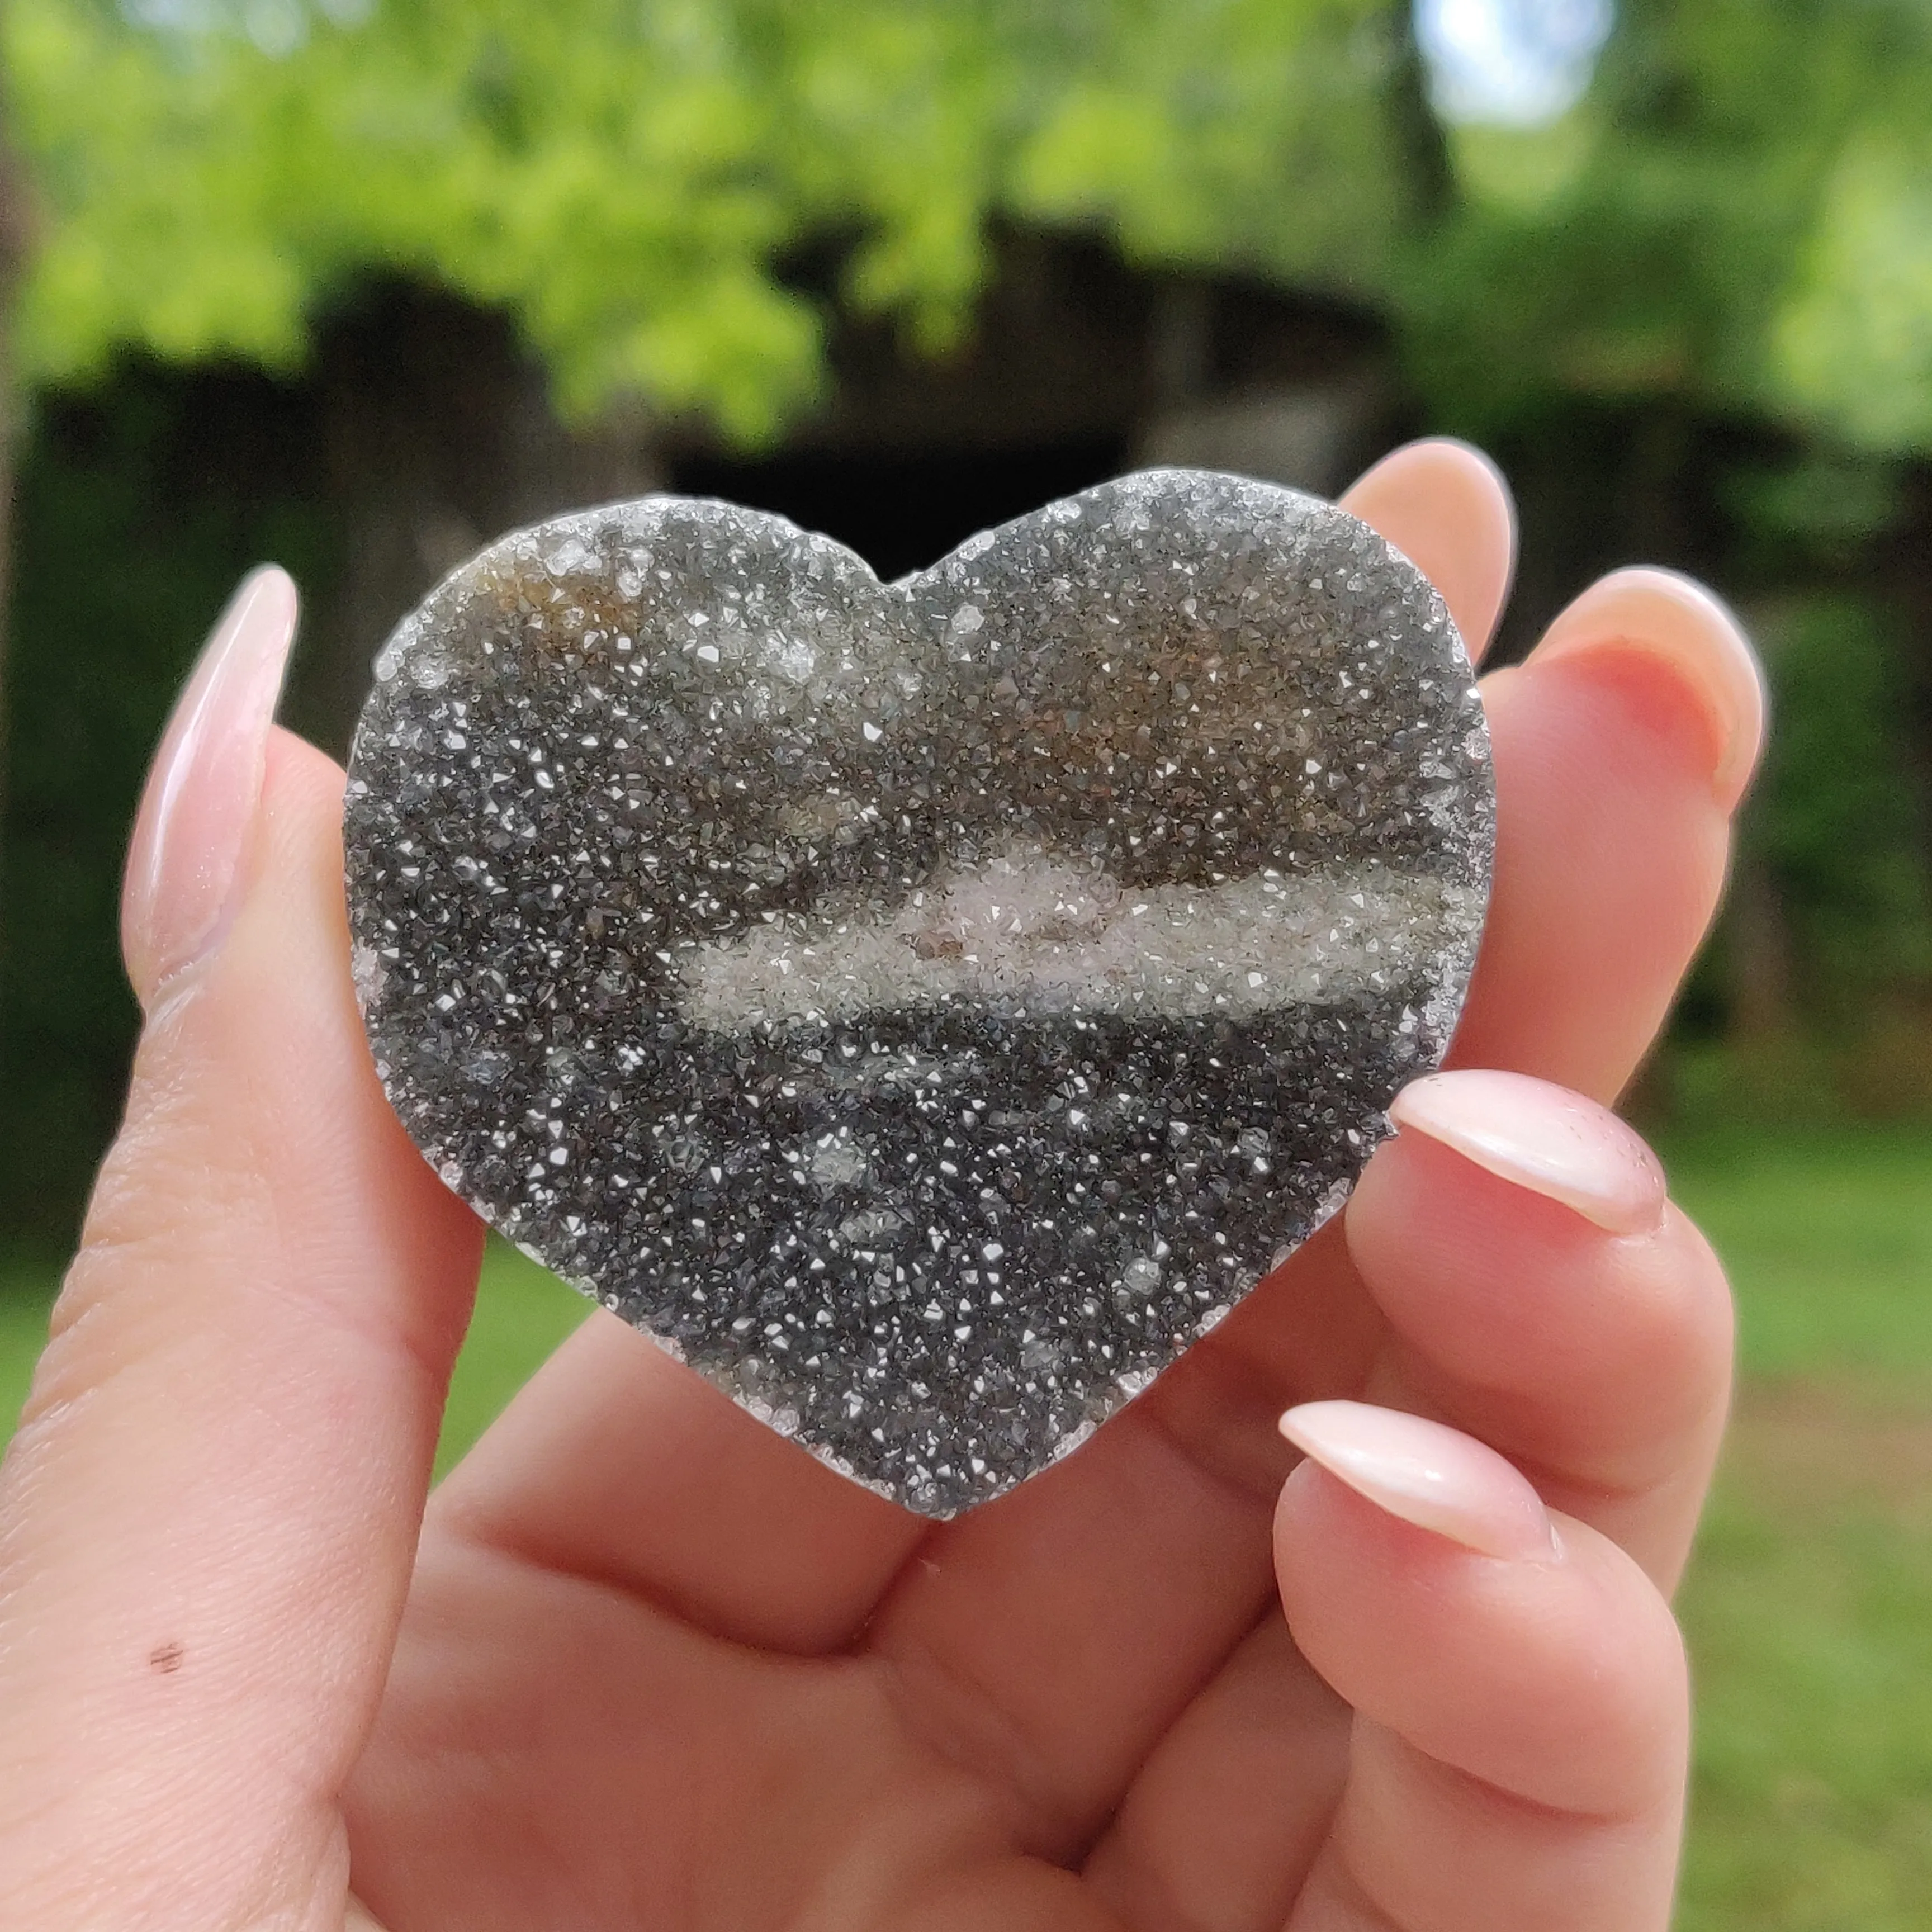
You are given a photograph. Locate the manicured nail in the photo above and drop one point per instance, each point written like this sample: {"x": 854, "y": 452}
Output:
{"x": 202, "y": 793}
{"x": 1446, "y": 505}
{"x": 1434, "y": 1478}
{"x": 1542, "y": 1137}
{"x": 1658, "y": 614}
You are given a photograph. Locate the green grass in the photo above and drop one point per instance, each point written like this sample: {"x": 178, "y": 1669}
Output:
{"x": 1809, "y": 1607}
{"x": 1828, "y": 1234}
{"x": 1809, "y": 1617}
{"x": 25, "y": 1293}
{"x": 522, "y": 1313}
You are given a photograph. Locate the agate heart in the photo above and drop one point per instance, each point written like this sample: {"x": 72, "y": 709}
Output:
{"x": 924, "y": 1008}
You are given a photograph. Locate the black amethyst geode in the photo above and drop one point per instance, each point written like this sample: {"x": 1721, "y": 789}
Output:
{"x": 924, "y": 1008}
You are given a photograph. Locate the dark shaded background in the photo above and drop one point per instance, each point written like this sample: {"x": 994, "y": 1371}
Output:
{"x": 420, "y": 430}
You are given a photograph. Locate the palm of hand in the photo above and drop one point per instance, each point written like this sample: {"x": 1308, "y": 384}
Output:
{"x": 843, "y": 1717}
{"x": 658, "y": 1668}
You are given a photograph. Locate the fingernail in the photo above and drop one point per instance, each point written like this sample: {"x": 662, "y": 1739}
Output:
{"x": 1434, "y": 1478}
{"x": 1658, "y": 614}
{"x": 190, "y": 833}
{"x": 1446, "y": 506}
{"x": 1542, "y": 1137}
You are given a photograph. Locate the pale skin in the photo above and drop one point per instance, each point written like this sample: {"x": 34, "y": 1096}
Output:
{"x": 639, "y": 1663}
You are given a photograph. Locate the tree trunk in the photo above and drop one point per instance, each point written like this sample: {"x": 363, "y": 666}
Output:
{"x": 1757, "y": 955}
{"x": 1420, "y": 141}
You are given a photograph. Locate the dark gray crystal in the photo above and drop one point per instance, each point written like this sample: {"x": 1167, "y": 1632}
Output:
{"x": 924, "y": 1008}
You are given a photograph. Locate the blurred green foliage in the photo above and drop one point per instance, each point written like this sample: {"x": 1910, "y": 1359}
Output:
{"x": 1836, "y": 819}
{"x": 628, "y": 178}
{"x": 1741, "y": 210}
{"x": 122, "y": 560}
{"x": 1694, "y": 315}
{"x": 1737, "y": 213}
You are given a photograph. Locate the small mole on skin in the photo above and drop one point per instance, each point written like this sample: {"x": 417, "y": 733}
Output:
{"x": 166, "y": 1658}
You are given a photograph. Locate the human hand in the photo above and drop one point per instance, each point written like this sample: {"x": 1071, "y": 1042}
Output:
{"x": 643, "y": 1663}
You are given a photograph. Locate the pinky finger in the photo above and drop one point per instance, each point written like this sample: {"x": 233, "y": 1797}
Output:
{"x": 1518, "y": 1752}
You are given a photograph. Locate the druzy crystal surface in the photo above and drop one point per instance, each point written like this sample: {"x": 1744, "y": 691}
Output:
{"x": 924, "y": 1008}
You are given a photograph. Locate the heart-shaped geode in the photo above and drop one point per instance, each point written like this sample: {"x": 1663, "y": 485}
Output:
{"x": 926, "y": 1007}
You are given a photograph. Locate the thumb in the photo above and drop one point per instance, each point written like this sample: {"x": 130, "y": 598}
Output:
{"x": 207, "y": 1516}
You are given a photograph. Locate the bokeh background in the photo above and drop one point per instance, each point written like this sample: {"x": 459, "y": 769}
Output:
{"x": 356, "y": 284}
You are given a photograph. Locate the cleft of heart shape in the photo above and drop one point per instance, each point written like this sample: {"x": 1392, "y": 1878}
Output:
{"x": 924, "y": 1008}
